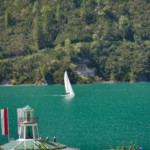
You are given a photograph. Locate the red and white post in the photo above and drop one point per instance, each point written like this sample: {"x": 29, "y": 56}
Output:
{"x": 5, "y": 122}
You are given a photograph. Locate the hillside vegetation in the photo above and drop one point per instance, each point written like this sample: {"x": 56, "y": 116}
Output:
{"x": 40, "y": 39}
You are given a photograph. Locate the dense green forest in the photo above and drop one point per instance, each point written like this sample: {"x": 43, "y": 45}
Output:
{"x": 40, "y": 39}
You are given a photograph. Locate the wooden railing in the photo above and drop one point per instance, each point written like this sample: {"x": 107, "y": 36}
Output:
{"x": 28, "y": 120}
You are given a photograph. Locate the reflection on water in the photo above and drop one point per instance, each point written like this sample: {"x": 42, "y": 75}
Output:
{"x": 68, "y": 97}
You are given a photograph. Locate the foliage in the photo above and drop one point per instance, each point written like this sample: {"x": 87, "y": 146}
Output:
{"x": 45, "y": 145}
{"x": 1, "y": 148}
{"x": 7, "y": 18}
{"x": 133, "y": 146}
{"x": 39, "y": 40}
{"x": 37, "y": 33}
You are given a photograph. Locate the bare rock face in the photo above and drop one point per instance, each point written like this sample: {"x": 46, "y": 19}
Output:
{"x": 7, "y": 82}
{"x": 43, "y": 82}
{"x": 83, "y": 70}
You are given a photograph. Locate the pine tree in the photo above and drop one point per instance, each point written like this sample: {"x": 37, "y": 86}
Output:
{"x": 47, "y": 18}
{"x": 37, "y": 33}
{"x": 124, "y": 25}
{"x": 1, "y": 2}
{"x": 48, "y": 25}
{"x": 7, "y": 18}
{"x": 58, "y": 12}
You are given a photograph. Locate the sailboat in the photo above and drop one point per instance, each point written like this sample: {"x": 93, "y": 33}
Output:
{"x": 68, "y": 87}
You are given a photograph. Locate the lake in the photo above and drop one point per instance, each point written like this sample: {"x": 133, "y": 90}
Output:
{"x": 99, "y": 116}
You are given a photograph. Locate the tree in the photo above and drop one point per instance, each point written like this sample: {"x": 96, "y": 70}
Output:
{"x": 77, "y": 3}
{"x": 58, "y": 12}
{"x": 7, "y": 18}
{"x": 47, "y": 18}
{"x": 1, "y": 3}
{"x": 36, "y": 7}
{"x": 37, "y": 33}
{"x": 48, "y": 25}
{"x": 68, "y": 44}
{"x": 124, "y": 25}
{"x": 17, "y": 2}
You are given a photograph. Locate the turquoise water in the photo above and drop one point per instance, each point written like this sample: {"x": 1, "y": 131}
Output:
{"x": 100, "y": 115}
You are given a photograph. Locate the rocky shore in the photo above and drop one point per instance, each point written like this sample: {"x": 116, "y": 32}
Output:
{"x": 10, "y": 83}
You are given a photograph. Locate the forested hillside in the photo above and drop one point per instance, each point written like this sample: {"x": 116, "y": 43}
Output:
{"x": 40, "y": 39}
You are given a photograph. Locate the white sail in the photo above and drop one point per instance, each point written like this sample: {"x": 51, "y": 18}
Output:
{"x": 68, "y": 87}
{"x": 20, "y": 113}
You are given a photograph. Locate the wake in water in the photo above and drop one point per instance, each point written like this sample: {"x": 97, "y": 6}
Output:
{"x": 53, "y": 95}
{"x": 57, "y": 95}
{"x": 68, "y": 97}
{"x": 65, "y": 96}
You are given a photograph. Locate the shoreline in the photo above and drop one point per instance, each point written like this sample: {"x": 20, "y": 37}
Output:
{"x": 7, "y": 83}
